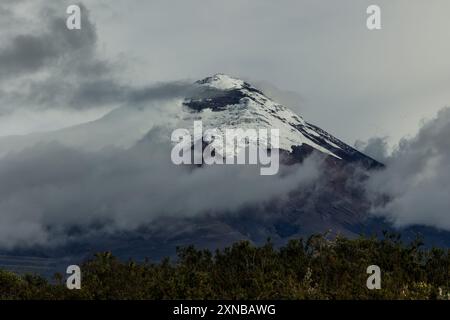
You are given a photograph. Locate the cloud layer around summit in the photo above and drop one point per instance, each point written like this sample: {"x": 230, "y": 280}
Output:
{"x": 315, "y": 56}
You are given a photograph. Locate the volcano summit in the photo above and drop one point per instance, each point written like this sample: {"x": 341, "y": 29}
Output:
{"x": 223, "y": 102}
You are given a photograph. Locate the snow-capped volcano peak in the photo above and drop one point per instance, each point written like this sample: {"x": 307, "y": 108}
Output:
{"x": 231, "y": 103}
{"x": 222, "y": 82}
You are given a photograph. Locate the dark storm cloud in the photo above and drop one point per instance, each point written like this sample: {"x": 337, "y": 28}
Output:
{"x": 53, "y": 45}
{"x": 417, "y": 177}
{"x": 26, "y": 54}
{"x": 77, "y": 77}
{"x": 54, "y": 67}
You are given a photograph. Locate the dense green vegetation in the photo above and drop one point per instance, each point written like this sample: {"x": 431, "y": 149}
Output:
{"x": 313, "y": 269}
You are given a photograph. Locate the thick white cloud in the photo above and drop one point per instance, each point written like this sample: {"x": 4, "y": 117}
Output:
{"x": 50, "y": 188}
{"x": 415, "y": 184}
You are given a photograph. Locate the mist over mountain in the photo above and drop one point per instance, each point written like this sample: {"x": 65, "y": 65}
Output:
{"x": 116, "y": 172}
{"x": 110, "y": 184}
{"x": 85, "y": 160}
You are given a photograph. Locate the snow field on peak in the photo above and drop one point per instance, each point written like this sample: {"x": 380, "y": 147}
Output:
{"x": 254, "y": 111}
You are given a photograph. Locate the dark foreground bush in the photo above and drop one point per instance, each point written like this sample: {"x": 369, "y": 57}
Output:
{"x": 314, "y": 269}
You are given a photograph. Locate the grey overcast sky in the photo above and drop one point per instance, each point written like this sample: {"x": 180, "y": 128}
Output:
{"x": 350, "y": 81}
